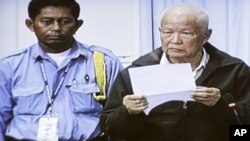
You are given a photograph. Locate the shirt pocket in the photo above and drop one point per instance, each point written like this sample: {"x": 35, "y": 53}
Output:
{"x": 82, "y": 98}
{"x": 29, "y": 100}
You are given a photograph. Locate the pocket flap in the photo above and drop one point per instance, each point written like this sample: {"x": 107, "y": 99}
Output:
{"x": 85, "y": 88}
{"x": 27, "y": 90}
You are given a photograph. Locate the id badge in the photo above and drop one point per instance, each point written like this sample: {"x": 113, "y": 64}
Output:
{"x": 48, "y": 129}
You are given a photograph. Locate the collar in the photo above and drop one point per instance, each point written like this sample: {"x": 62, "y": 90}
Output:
{"x": 203, "y": 62}
{"x": 76, "y": 51}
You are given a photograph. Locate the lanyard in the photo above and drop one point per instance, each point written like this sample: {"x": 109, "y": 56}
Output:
{"x": 51, "y": 97}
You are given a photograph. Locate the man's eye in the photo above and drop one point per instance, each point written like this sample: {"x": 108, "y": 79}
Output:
{"x": 187, "y": 33}
{"x": 167, "y": 32}
{"x": 65, "y": 22}
{"x": 46, "y": 22}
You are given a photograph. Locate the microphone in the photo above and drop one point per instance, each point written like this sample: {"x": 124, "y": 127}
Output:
{"x": 232, "y": 105}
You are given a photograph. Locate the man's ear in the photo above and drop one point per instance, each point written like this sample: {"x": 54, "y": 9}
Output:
{"x": 79, "y": 23}
{"x": 208, "y": 33}
{"x": 30, "y": 24}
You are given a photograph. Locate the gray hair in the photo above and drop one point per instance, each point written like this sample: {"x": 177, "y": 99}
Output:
{"x": 199, "y": 15}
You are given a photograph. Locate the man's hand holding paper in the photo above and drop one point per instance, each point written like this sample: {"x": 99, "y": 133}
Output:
{"x": 207, "y": 96}
{"x": 135, "y": 103}
{"x": 162, "y": 83}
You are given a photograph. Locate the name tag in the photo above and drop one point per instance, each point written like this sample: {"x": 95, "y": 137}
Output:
{"x": 48, "y": 129}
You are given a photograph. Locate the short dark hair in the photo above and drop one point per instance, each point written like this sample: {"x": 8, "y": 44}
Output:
{"x": 35, "y": 6}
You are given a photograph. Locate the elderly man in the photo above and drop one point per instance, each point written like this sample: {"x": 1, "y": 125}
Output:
{"x": 221, "y": 79}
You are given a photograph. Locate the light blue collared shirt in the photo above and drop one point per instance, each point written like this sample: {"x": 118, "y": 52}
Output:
{"x": 23, "y": 98}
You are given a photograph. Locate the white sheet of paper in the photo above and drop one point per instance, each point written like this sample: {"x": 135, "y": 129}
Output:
{"x": 162, "y": 83}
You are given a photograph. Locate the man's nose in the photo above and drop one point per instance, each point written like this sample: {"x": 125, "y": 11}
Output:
{"x": 56, "y": 26}
{"x": 176, "y": 38}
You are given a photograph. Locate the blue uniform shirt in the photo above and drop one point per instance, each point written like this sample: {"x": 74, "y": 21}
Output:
{"x": 23, "y": 98}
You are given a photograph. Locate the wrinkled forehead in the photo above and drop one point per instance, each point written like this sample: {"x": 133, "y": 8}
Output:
{"x": 194, "y": 18}
{"x": 55, "y": 9}
{"x": 179, "y": 16}
{"x": 55, "y": 12}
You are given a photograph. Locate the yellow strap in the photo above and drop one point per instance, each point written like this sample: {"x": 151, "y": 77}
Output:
{"x": 100, "y": 71}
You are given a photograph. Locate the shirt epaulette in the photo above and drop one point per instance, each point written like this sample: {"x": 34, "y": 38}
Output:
{"x": 18, "y": 52}
{"x": 106, "y": 51}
